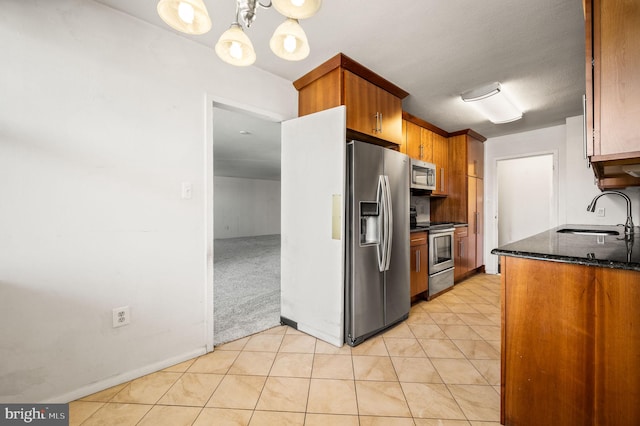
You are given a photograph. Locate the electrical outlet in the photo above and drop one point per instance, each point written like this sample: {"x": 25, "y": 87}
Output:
{"x": 121, "y": 316}
{"x": 600, "y": 212}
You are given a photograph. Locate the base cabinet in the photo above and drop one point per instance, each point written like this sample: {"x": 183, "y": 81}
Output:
{"x": 570, "y": 344}
{"x": 419, "y": 263}
{"x": 460, "y": 253}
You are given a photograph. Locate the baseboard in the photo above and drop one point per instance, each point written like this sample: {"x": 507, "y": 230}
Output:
{"x": 124, "y": 377}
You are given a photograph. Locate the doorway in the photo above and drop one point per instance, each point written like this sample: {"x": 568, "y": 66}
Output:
{"x": 246, "y": 223}
{"x": 527, "y": 199}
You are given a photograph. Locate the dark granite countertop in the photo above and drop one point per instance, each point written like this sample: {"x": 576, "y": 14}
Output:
{"x": 611, "y": 251}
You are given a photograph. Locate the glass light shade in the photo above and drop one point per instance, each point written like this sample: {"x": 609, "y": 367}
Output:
{"x": 235, "y": 48}
{"x": 492, "y": 102}
{"x": 297, "y": 9}
{"x": 289, "y": 41}
{"x": 187, "y": 16}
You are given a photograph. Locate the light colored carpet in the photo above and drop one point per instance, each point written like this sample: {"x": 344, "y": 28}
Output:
{"x": 246, "y": 294}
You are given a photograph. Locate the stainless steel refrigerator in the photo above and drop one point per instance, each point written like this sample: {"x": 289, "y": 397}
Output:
{"x": 377, "y": 281}
{"x": 344, "y": 231}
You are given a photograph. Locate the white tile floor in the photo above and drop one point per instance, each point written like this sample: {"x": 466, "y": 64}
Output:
{"x": 439, "y": 367}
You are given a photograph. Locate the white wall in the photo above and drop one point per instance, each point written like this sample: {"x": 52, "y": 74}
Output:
{"x": 246, "y": 207}
{"x": 582, "y": 187}
{"x": 576, "y": 186}
{"x": 102, "y": 117}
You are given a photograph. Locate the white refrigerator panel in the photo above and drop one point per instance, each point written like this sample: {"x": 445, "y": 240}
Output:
{"x": 312, "y": 229}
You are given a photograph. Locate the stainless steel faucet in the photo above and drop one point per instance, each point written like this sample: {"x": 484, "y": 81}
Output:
{"x": 628, "y": 226}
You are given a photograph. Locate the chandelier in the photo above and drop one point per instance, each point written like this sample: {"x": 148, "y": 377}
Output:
{"x": 234, "y": 47}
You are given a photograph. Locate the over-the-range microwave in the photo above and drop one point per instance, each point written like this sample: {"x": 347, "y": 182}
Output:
{"x": 423, "y": 175}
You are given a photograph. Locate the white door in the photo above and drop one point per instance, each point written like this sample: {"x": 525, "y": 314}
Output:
{"x": 527, "y": 202}
{"x": 312, "y": 228}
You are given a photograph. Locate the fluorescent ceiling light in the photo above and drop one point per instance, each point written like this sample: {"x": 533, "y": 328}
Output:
{"x": 493, "y": 103}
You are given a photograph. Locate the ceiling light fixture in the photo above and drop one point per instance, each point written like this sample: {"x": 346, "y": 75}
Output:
{"x": 494, "y": 103}
{"x": 234, "y": 47}
{"x": 187, "y": 16}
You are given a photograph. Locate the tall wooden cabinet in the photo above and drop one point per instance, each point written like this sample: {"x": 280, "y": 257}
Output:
{"x": 612, "y": 30}
{"x": 374, "y": 105}
{"x": 465, "y": 200}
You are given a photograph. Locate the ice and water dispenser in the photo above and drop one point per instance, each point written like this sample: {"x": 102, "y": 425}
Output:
{"x": 369, "y": 223}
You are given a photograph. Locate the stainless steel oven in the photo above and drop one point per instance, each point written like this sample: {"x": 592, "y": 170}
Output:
{"x": 441, "y": 262}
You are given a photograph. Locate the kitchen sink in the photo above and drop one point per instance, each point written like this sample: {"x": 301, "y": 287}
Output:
{"x": 586, "y": 231}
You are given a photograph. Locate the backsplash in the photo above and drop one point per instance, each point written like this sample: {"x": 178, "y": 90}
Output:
{"x": 423, "y": 207}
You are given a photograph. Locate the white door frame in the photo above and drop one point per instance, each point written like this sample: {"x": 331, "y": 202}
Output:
{"x": 555, "y": 196}
{"x": 211, "y": 102}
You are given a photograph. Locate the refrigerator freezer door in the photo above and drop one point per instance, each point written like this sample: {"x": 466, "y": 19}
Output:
{"x": 397, "y": 278}
{"x": 312, "y": 261}
{"x": 363, "y": 280}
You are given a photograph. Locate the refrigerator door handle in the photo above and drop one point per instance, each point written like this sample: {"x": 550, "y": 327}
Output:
{"x": 389, "y": 223}
{"x": 382, "y": 232}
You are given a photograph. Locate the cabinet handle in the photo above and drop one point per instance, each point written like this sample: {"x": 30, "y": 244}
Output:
{"x": 442, "y": 179}
{"x": 421, "y": 149}
{"x": 380, "y": 115}
{"x": 375, "y": 126}
{"x": 417, "y": 261}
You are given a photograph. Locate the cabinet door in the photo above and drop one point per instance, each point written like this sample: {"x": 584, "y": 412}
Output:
{"x": 475, "y": 157}
{"x": 372, "y": 110}
{"x": 460, "y": 252}
{"x": 426, "y": 138}
{"x": 419, "y": 264}
{"x": 617, "y": 379}
{"x": 616, "y": 50}
{"x": 415, "y": 148}
{"x": 472, "y": 221}
{"x": 441, "y": 160}
{"x": 548, "y": 343}
{"x": 479, "y": 222}
{"x": 389, "y": 107}
{"x": 360, "y": 97}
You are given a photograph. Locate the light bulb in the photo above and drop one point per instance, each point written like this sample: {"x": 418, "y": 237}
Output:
{"x": 235, "y": 50}
{"x": 297, "y": 2}
{"x": 186, "y": 12}
{"x": 290, "y": 43}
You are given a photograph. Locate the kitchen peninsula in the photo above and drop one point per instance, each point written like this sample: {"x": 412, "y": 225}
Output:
{"x": 571, "y": 327}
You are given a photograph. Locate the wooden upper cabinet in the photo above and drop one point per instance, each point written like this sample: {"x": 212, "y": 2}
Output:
{"x": 475, "y": 158}
{"x": 426, "y": 142}
{"x": 374, "y": 105}
{"x": 441, "y": 160}
{"x": 612, "y": 29}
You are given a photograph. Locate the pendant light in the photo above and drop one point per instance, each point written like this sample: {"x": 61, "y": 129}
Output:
{"x": 235, "y": 48}
{"x": 297, "y": 9}
{"x": 289, "y": 41}
{"x": 187, "y": 16}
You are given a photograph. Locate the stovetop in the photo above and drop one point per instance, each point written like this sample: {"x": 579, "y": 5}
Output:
{"x": 426, "y": 226}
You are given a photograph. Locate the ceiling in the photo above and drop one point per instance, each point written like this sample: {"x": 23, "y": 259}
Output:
{"x": 435, "y": 50}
